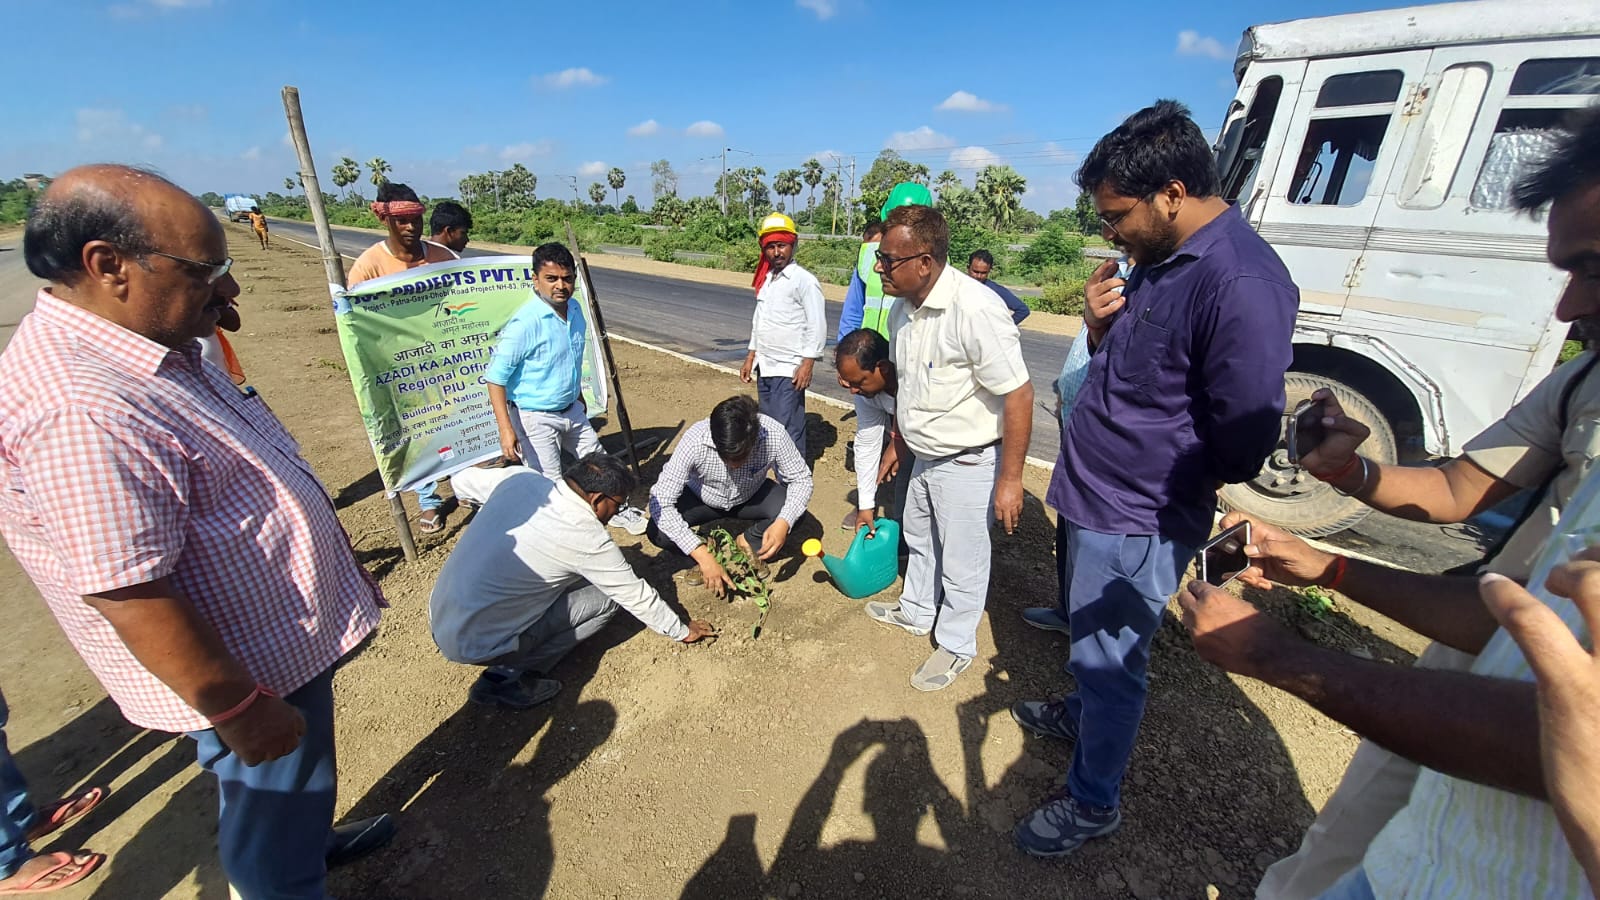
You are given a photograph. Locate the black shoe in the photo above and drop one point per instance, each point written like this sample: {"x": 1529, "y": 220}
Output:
{"x": 354, "y": 840}
{"x": 495, "y": 689}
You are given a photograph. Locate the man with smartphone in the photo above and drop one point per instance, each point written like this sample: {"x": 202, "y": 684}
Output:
{"x": 1184, "y": 392}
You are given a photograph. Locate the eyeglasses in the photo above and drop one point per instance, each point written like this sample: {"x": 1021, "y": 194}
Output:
{"x": 889, "y": 262}
{"x": 1112, "y": 222}
{"x": 215, "y": 269}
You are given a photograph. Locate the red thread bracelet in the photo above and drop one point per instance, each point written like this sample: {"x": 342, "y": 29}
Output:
{"x": 239, "y": 708}
{"x": 1335, "y": 476}
{"x": 1340, "y": 564}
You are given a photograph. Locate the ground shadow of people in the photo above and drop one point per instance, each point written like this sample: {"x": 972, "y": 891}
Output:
{"x": 472, "y": 822}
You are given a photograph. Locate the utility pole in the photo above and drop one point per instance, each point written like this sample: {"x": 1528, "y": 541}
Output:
{"x": 722, "y": 183}
{"x": 850, "y": 209}
{"x": 838, "y": 178}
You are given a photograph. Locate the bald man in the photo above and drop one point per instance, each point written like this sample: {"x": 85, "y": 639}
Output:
{"x": 184, "y": 545}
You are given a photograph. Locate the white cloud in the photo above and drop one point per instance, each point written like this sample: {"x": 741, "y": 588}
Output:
{"x": 923, "y": 138}
{"x": 645, "y": 129}
{"x": 973, "y": 158}
{"x": 112, "y": 126}
{"x": 570, "y": 78}
{"x": 137, "y": 8}
{"x": 963, "y": 101}
{"x": 593, "y": 169}
{"x": 251, "y": 155}
{"x": 1193, "y": 43}
{"x": 704, "y": 128}
{"x": 825, "y": 9}
{"x": 528, "y": 150}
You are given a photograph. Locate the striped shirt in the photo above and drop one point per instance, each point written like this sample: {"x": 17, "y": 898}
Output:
{"x": 123, "y": 461}
{"x": 1458, "y": 839}
{"x": 696, "y": 465}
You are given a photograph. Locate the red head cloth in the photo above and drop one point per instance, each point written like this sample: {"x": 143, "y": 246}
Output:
{"x": 403, "y": 209}
{"x": 788, "y": 237}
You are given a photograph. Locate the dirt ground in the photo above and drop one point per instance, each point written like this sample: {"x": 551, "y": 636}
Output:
{"x": 799, "y": 764}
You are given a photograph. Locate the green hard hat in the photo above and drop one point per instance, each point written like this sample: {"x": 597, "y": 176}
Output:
{"x": 906, "y": 193}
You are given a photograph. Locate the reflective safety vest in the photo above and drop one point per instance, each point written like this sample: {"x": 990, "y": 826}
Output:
{"x": 875, "y": 313}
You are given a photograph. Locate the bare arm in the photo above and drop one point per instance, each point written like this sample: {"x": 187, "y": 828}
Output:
{"x": 1446, "y": 608}
{"x": 1453, "y": 492}
{"x": 502, "y": 417}
{"x": 1016, "y": 430}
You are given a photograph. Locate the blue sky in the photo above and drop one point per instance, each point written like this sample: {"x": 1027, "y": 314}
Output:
{"x": 445, "y": 89}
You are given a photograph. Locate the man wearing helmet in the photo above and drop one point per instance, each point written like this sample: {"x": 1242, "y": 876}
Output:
{"x": 787, "y": 333}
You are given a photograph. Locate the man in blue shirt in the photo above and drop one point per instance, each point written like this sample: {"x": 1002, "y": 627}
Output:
{"x": 536, "y": 373}
{"x": 1184, "y": 393}
{"x": 978, "y": 266}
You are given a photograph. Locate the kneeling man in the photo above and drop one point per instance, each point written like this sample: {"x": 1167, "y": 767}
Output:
{"x": 535, "y": 574}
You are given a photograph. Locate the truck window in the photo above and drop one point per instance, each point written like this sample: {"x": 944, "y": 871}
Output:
{"x": 1542, "y": 93}
{"x": 1444, "y": 136}
{"x": 1241, "y": 148}
{"x": 1344, "y": 136}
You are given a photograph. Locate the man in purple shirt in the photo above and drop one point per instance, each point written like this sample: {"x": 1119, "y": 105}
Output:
{"x": 1184, "y": 393}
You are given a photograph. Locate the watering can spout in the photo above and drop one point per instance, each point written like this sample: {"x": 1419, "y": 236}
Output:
{"x": 870, "y": 565}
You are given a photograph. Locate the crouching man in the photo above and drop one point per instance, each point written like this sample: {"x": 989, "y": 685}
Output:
{"x": 535, "y": 574}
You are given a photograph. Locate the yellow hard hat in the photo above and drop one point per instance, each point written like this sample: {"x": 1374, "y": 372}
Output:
{"x": 776, "y": 222}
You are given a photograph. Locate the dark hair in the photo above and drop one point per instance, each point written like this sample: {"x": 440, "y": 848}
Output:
{"x": 864, "y": 345}
{"x": 65, "y": 220}
{"x": 553, "y": 252}
{"x": 1573, "y": 163}
{"x": 927, "y": 226}
{"x": 394, "y": 190}
{"x": 602, "y": 473}
{"x": 981, "y": 256}
{"x": 735, "y": 426}
{"x": 1151, "y": 148}
{"x": 255, "y": 209}
{"x": 448, "y": 214}
{"x": 873, "y": 230}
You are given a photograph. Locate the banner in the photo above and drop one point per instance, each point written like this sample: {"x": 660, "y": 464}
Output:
{"x": 417, "y": 345}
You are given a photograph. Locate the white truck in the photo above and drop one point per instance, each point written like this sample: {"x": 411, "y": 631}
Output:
{"x": 1376, "y": 152}
{"x": 238, "y": 206}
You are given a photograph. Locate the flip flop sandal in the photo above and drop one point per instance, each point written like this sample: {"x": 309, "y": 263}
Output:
{"x": 65, "y": 810}
{"x": 82, "y": 865}
{"x": 430, "y": 522}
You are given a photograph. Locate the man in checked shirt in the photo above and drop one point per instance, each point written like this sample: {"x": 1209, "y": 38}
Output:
{"x": 719, "y": 471}
{"x": 186, "y": 548}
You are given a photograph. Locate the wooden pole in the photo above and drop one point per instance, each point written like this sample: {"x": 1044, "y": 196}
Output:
{"x": 611, "y": 361}
{"x": 333, "y": 264}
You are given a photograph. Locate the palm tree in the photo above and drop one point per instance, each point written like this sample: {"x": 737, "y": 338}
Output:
{"x": 831, "y": 188}
{"x": 946, "y": 180}
{"x": 616, "y": 179}
{"x": 288, "y": 184}
{"x": 811, "y": 171}
{"x": 787, "y": 183}
{"x": 999, "y": 187}
{"x": 757, "y": 191}
{"x": 379, "y": 170}
{"x": 597, "y": 193}
{"x": 346, "y": 173}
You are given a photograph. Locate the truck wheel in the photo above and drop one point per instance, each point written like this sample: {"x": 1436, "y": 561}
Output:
{"x": 1286, "y": 495}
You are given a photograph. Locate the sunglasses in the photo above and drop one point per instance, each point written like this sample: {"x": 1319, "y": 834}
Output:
{"x": 889, "y": 262}
{"x": 213, "y": 270}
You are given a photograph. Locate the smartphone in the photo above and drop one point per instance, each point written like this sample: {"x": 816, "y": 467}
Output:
{"x": 1124, "y": 269}
{"x": 1306, "y": 431}
{"x": 1222, "y": 558}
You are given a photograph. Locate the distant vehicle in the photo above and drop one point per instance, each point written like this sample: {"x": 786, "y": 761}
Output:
{"x": 238, "y": 206}
{"x": 1376, "y": 153}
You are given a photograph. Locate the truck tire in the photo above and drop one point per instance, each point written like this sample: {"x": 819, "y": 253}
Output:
{"x": 1287, "y": 496}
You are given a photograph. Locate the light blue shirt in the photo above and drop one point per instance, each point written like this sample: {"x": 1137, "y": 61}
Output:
{"x": 539, "y": 358}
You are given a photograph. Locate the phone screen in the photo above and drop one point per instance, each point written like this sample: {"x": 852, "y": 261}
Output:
{"x": 1222, "y": 558}
{"x": 1306, "y": 431}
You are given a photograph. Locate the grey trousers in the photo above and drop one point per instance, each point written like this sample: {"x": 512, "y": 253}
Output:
{"x": 571, "y": 620}
{"x": 543, "y": 435}
{"x": 949, "y": 504}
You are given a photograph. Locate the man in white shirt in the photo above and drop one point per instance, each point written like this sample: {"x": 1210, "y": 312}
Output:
{"x": 788, "y": 332}
{"x": 964, "y": 406}
{"x": 865, "y": 370}
{"x": 535, "y": 574}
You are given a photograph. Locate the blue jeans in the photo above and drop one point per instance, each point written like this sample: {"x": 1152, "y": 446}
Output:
{"x": 781, "y": 400}
{"x": 1117, "y": 586}
{"x": 275, "y": 820}
{"x": 19, "y": 815}
{"x": 428, "y": 496}
{"x": 1353, "y": 886}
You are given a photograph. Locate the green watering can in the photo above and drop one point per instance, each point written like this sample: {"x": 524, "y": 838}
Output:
{"x": 871, "y": 564}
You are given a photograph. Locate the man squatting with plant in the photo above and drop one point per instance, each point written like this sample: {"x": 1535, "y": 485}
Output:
{"x": 964, "y": 406}
{"x": 719, "y": 471}
{"x": 536, "y": 574}
{"x": 788, "y": 330}
{"x": 1545, "y": 444}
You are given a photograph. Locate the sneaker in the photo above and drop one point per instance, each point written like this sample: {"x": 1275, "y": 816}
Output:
{"x": 939, "y": 670}
{"x": 1046, "y": 718}
{"x": 1046, "y": 618}
{"x": 354, "y": 840}
{"x": 631, "y": 519}
{"x": 499, "y": 689}
{"x": 1062, "y": 825}
{"x": 892, "y": 614}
